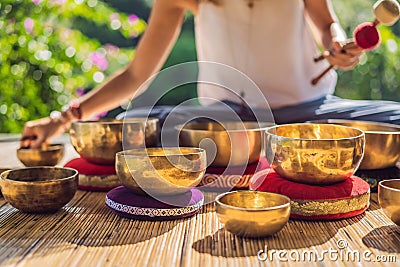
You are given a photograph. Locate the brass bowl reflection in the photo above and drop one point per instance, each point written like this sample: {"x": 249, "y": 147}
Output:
{"x": 236, "y": 143}
{"x": 99, "y": 141}
{"x": 253, "y": 213}
{"x": 382, "y": 142}
{"x": 389, "y": 199}
{"x": 315, "y": 153}
{"x": 48, "y": 155}
{"x": 161, "y": 171}
{"x": 39, "y": 189}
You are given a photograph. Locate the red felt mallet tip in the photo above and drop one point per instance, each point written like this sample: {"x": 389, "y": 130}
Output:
{"x": 367, "y": 36}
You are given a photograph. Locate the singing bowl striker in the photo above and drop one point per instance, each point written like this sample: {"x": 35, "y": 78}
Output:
{"x": 389, "y": 199}
{"x": 161, "y": 171}
{"x": 315, "y": 153}
{"x": 99, "y": 141}
{"x": 252, "y": 213}
{"x": 382, "y": 142}
{"x": 39, "y": 189}
{"x": 236, "y": 143}
{"x": 47, "y": 155}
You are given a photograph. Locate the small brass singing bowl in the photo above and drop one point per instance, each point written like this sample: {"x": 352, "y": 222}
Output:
{"x": 315, "y": 153}
{"x": 236, "y": 143}
{"x": 382, "y": 142}
{"x": 161, "y": 171}
{"x": 253, "y": 213}
{"x": 389, "y": 199}
{"x": 99, "y": 141}
{"x": 39, "y": 189}
{"x": 47, "y": 155}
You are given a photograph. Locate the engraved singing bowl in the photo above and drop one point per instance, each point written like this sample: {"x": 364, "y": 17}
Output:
{"x": 315, "y": 153}
{"x": 161, "y": 171}
{"x": 236, "y": 143}
{"x": 39, "y": 189}
{"x": 99, "y": 141}
{"x": 382, "y": 142}
{"x": 47, "y": 155}
{"x": 389, "y": 199}
{"x": 252, "y": 213}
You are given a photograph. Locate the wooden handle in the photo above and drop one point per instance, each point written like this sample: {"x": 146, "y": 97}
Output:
{"x": 316, "y": 79}
{"x": 349, "y": 45}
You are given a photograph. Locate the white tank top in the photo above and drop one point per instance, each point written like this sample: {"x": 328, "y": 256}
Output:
{"x": 271, "y": 43}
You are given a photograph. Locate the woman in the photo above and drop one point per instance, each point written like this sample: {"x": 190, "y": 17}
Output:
{"x": 271, "y": 41}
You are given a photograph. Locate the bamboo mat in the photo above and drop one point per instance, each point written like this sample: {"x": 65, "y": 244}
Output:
{"x": 87, "y": 233}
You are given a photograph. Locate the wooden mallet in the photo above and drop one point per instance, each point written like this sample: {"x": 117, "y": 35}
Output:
{"x": 366, "y": 35}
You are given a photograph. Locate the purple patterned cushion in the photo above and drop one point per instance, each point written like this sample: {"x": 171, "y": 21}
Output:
{"x": 125, "y": 203}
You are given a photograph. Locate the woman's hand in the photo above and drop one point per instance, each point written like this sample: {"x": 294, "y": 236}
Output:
{"x": 40, "y": 131}
{"x": 344, "y": 59}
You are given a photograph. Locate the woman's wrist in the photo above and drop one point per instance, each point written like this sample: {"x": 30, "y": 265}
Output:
{"x": 69, "y": 113}
{"x": 337, "y": 33}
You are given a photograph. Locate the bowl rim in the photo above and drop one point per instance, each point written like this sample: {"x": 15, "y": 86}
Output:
{"x": 196, "y": 151}
{"x": 362, "y": 133}
{"x": 388, "y": 187}
{"x": 218, "y": 201}
{"x": 50, "y": 147}
{"x": 383, "y": 124}
{"x": 39, "y": 182}
{"x": 181, "y": 127}
{"x": 116, "y": 121}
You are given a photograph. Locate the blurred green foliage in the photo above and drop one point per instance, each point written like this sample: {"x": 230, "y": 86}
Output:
{"x": 44, "y": 59}
{"x": 51, "y": 50}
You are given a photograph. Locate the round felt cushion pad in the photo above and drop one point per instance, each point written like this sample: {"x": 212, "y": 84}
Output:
{"x": 127, "y": 204}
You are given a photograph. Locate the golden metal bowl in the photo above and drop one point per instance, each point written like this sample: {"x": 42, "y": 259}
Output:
{"x": 236, "y": 143}
{"x": 315, "y": 153}
{"x": 39, "y": 189}
{"x": 389, "y": 199}
{"x": 382, "y": 142}
{"x": 1, "y": 171}
{"x": 161, "y": 171}
{"x": 253, "y": 213}
{"x": 99, "y": 141}
{"x": 47, "y": 155}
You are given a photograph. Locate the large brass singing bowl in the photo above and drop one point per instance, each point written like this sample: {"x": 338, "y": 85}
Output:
{"x": 315, "y": 153}
{"x": 252, "y": 213}
{"x": 99, "y": 141}
{"x": 39, "y": 189}
{"x": 389, "y": 199}
{"x": 49, "y": 155}
{"x": 161, "y": 171}
{"x": 236, "y": 143}
{"x": 382, "y": 142}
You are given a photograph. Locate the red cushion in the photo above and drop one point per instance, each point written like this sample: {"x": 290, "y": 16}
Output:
{"x": 318, "y": 202}
{"x": 93, "y": 177}
{"x": 85, "y": 167}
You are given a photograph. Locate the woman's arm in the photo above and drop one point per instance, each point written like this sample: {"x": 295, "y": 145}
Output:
{"x": 153, "y": 49}
{"x": 155, "y": 45}
{"x": 331, "y": 34}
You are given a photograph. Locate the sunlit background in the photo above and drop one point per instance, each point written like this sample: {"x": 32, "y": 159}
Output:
{"x": 52, "y": 51}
